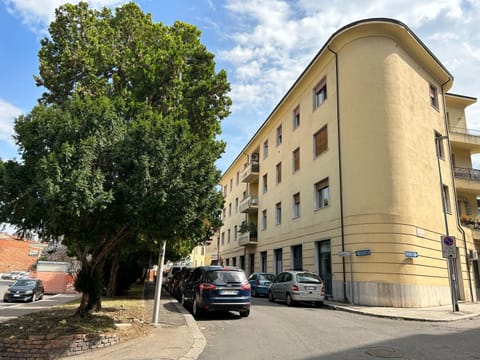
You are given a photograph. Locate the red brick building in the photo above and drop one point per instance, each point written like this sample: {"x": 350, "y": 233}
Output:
{"x": 17, "y": 254}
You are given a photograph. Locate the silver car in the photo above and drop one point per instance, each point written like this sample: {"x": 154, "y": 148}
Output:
{"x": 297, "y": 286}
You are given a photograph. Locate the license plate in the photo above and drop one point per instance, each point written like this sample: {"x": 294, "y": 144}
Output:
{"x": 228, "y": 292}
{"x": 16, "y": 295}
{"x": 310, "y": 287}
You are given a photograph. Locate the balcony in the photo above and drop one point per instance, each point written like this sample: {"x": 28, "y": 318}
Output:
{"x": 250, "y": 173}
{"x": 248, "y": 205}
{"x": 247, "y": 238}
{"x": 465, "y": 138}
{"x": 467, "y": 180}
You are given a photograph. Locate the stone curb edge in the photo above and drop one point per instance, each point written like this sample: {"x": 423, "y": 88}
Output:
{"x": 199, "y": 341}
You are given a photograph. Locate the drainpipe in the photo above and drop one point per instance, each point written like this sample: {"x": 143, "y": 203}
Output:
{"x": 459, "y": 226}
{"x": 342, "y": 230}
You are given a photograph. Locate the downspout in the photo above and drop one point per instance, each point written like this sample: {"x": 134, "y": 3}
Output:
{"x": 459, "y": 226}
{"x": 342, "y": 230}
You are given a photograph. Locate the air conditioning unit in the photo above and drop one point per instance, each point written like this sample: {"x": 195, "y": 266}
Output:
{"x": 473, "y": 255}
{"x": 254, "y": 157}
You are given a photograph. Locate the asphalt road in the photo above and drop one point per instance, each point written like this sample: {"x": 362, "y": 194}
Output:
{"x": 12, "y": 310}
{"x": 275, "y": 331}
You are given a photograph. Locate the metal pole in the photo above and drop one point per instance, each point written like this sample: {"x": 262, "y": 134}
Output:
{"x": 158, "y": 285}
{"x": 450, "y": 266}
{"x": 351, "y": 278}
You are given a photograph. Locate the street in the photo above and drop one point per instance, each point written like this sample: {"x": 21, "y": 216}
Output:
{"x": 12, "y": 310}
{"x": 275, "y": 331}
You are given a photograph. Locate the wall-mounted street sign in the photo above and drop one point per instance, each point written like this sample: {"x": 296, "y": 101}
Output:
{"x": 344, "y": 253}
{"x": 449, "y": 247}
{"x": 363, "y": 252}
{"x": 411, "y": 254}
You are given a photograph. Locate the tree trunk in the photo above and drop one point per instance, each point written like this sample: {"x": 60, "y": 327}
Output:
{"x": 112, "y": 281}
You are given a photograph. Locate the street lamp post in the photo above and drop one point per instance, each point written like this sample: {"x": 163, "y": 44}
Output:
{"x": 451, "y": 263}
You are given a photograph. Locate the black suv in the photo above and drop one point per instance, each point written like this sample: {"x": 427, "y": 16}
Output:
{"x": 217, "y": 288}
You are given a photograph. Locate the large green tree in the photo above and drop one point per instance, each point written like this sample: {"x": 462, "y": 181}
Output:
{"x": 121, "y": 147}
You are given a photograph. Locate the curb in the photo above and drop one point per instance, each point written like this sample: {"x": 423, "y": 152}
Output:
{"x": 199, "y": 341}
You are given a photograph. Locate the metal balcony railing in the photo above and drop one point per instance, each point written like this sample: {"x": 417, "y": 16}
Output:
{"x": 250, "y": 172}
{"x": 248, "y": 204}
{"x": 247, "y": 238}
{"x": 467, "y": 173}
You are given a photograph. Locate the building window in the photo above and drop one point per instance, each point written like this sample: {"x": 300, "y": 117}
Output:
{"x": 236, "y": 205}
{"x": 225, "y": 190}
{"x": 224, "y": 213}
{"x": 320, "y": 93}
{"x": 228, "y": 236}
{"x": 252, "y": 263}
{"x": 263, "y": 261}
{"x": 278, "y": 213}
{"x": 446, "y": 200}
{"x": 279, "y": 135}
{"x": 296, "y": 117}
{"x": 433, "y": 96}
{"x": 234, "y": 261}
{"x": 235, "y": 233}
{"x": 223, "y": 238}
{"x": 296, "y": 205}
{"x": 230, "y": 209}
{"x": 231, "y": 185}
{"x": 265, "y": 149}
{"x": 297, "y": 260}
{"x": 322, "y": 194}
{"x": 227, "y": 262}
{"x": 439, "y": 145}
{"x": 265, "y": 183}
{"x": 320, "y": 141}
{"x": 279, "y": 172}
{"x": 238, "y": 177}
{"x": 296, "y": 159}
{"x": 264, "y": 219}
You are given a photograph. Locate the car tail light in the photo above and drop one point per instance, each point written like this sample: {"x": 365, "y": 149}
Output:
{"x": 294, "y": 287}
{"x": 207, "y": 287}
{"x": 246, "y": 286}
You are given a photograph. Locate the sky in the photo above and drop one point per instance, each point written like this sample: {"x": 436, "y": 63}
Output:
{"x": 263, "y": 45}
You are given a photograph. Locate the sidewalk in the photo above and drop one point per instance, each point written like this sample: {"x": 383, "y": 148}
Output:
{"x": 436, "y": 314}
{"x": 178, "y": 336}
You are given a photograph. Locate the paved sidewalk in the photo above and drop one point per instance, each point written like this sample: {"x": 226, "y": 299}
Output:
{"x": 436, "y": 314}
{"x": 176, "y": 336}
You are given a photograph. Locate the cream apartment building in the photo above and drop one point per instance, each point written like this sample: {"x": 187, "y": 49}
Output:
{"x": 357, "y": 174}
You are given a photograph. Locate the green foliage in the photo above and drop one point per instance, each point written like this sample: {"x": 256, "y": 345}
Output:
{"x": 121, "y": 148}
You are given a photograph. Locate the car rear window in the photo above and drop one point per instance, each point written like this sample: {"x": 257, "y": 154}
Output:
{"x": 308, "y": 278}
{"x": 269, "y": 277}
{"x": 225, "y": 277}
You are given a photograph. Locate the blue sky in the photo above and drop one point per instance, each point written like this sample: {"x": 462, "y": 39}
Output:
{"x": 263, "y": 46}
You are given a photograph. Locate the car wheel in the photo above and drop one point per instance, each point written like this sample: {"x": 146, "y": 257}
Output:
{"x": 289, "y": 300}
{"x": 195, "y": 310}
{"x": 5, "y": 300}
{"x": 244, "y": 313}
{"x": 270, "y": 296}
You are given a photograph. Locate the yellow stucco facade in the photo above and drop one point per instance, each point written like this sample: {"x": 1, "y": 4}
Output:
{"x": 349, "y": 175}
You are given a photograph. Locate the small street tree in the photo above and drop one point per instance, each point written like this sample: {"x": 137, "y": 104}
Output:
{"x": 121, "y": 148}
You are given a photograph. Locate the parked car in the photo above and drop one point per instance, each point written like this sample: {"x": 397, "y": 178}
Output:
{"x": 14, "y": 275}
{"x": 169, "y": 277}
{"x": 178, "y": 282}
{"x": 260, "y": 282}
{"x": 24, "y": 290}
{"x": 297, "y": 286}
{"x": 217, "y": 288}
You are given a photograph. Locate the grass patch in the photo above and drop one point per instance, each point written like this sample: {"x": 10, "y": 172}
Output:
{"x": 60, "y": 320}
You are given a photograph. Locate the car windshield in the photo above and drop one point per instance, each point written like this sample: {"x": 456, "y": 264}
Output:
{"x": 308, "y": 278}
{"x": 225, "y": 277}
{"x": 24, "y": 283}
{"x": 269, "y": 277}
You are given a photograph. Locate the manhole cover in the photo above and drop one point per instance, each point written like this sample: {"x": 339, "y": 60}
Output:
{"x": 385, "y": 353}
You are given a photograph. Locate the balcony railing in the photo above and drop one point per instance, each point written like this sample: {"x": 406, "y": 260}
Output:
{"x": 467, "y": 173}
{"x": 250, "y": 173}
{"x": 248, "y": 204}
{"x": 247, "y": 238}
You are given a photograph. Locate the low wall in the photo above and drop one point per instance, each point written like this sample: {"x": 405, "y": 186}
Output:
{"x": 53, "y": 346}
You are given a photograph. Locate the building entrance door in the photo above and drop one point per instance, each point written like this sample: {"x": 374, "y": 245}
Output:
{"x": 278, "y": 261}
{"x": 325, "y": 265}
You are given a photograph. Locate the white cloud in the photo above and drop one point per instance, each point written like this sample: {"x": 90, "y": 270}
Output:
{"x": 37, "y": 15}
{"x": 8, "y": 113}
